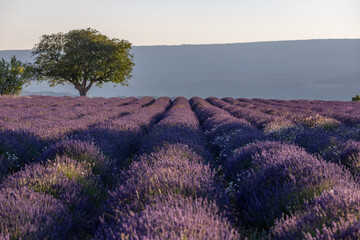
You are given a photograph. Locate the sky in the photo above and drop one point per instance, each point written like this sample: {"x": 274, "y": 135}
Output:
{"x": 174, "y": 22}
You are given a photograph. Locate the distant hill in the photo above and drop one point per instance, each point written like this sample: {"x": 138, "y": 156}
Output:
{"x": 23, "y": 55}
{"x": 43, "y": 93}
{"x": 304, "y": 69}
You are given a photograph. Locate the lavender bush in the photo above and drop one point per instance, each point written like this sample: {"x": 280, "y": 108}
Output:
{"x": 334, "y": 213}
{"x": 86, "y": 153}
{"x": 64, "y": 179}
{"x": 341, "y": 230}
{"x": 25, "y": 214}
{"x": 241, "y": 159}
{"x": 172, "y": 218}
{"x": 346, "y": 153}
{"x": 174, "y": 169}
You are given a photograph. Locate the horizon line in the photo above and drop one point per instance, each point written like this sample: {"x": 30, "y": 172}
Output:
{"x": 226, "y": 43}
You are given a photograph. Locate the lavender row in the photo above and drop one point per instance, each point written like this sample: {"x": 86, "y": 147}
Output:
{"x": 319, "y": 137}
{"x": 36, "y": 125}
{"x": 345, "y": 112}
{"x": 224, "y": 131}
{"x": 111, "y": 141}
{"x": 277, "y": 110}
{"x": 77, "y": 191}
{"x": 120, "y": 136}
{"x": 168, "y": 192}
{"x": 256, "y": 118}
{"x": 304, "y": 116}
{"x": 51, "y": 118}
{"x": 313, "y": 103}
{"x": 301, "y": 116}
{"x": 268, "y": 180}
{"x": 23, "y": 143}
{"x": 77, "y": 176}
{"x": 47, "y": 124}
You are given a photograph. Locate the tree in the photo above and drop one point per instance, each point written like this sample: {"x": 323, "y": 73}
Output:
{"x": 13, "y": 75}
{"x": 82, "y": 58}
{"x": 356, "y": 98}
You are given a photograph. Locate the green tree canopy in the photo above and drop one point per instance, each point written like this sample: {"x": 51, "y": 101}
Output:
{"x": 13, "y": 75}
{"x": 356, "y": 98}
{"x": 82, "y": 58}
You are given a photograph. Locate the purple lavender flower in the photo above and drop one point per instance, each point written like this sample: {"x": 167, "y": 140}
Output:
{"x": 331, "y": 214}
{"x": 171, "y": 218}
{"x": 340, "y": 230}
{"x": 314, "y": 140}
{"x": 25, "y": 214}
{"x": 65, "y": 179}
{"x": 278, "y": 182}
{"x": 241, "y": 159}
{"x": 173, "y": 169}
{"x": 86, "y": 153}
{"x": 346, "y": 153}
{"x": 256, "y": 118}
{"x": 119, "y": 137}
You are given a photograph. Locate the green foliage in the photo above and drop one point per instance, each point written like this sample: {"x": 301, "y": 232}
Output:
{"x": 356, "y": 98}
{"x": 82, "y": 58}
{"x": 13, "y": 75}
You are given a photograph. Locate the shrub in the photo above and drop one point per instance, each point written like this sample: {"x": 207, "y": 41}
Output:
{"x": 84, "y": 152}
{"x": 173, "y": 218}
{"x": 64, "y": 179}
{"x": 331, "y": 208}
{"x": 25, "y": 214}
{"x": 174, "y": 169}
{"x": 160, "y": 135}
{"x": 319, "y": 121}
{"x": 347, "y": 154}
{"x": 356, "y": 98}
{"x": 241, "y": 159}
{"x": 314, "y": 140}
{"x": 13, "y": 75}
{"x": 20, "y": 146}
{"x": 342, "y": 230}
{"x": 227, "y": 143}
{"x": 277, "y": 127}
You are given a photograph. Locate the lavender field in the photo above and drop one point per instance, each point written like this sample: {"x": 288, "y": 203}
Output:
{"x": 113, "y": 168}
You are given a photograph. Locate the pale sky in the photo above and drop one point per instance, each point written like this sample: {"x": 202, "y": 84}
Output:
{"x": 173, "y": 22}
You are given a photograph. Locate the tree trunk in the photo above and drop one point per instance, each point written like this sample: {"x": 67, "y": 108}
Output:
{"x": 83, "y": 91}
{"x": 82, "y": 88}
